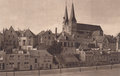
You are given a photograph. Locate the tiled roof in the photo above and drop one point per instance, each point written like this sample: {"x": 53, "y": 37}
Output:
{"x": 45, "y": 33}
{"x": 39, "y": 53}
{"x": 25, "y": 33}
{"x": 81, "y": 26}
{"x": 65, "y": 36}
{"x": 28, "y": 32}
{"x": 64, "y": 59}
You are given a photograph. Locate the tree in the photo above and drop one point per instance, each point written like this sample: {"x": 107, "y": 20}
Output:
{"x": 55, "y": 48}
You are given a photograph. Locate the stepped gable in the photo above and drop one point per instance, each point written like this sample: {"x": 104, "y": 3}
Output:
{"x": 28, "y": 33}
{"x": 65, "y": 36}
{"x": 45, "y": 33}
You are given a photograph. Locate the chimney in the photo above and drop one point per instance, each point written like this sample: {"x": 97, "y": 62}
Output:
{"x": 56, "y": 32}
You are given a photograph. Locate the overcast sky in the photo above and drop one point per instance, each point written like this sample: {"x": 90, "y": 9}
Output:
{"x": 41, "y": 15}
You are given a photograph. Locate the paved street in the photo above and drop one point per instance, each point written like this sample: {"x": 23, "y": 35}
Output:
{"x": 107, "y": 72}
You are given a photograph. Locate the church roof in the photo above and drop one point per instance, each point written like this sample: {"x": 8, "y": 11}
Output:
{"x": 81, "y": 26}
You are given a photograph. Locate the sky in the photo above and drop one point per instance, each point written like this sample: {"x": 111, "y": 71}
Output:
{"x": 39, "y": 15}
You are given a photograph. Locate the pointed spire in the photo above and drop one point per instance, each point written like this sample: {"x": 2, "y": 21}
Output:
{"x": 65, "y": 16}
{"x": 72, "y": 15}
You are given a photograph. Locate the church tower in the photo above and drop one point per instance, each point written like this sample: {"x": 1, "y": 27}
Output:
{"x": 72, "y": 15}
{"x": 65, "y": 20}
{"x": 69, "y": 25}
{"x": 72, "y": 21}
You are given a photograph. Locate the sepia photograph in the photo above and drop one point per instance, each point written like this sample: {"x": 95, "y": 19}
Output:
{"x": 59, "y": 37}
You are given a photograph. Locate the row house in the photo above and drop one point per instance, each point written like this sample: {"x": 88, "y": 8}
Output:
{"x": 86, "y": 57}
{"x": 40, "y": 59}
{"x": 10, "y": 39}
{"x": 101, "y": 57}
{"x": 110, "y": 43}
{"x": 21, "y": 60}
{"x": 17, "y": 61}
{"x": 27, "y": 40}
{"x": 45, "y": 37}
{"x": 94, "y": 57}
{"x": 114, "y": 57}
{"x": 1, "y": 41}
{"x": 2, "y": 60}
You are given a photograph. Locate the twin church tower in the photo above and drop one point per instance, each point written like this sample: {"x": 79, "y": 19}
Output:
{"x": 71, "y": 26}
{"x": 67, "y": 22}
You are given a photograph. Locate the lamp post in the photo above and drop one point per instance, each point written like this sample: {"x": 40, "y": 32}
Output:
{"x": 111, "y": 66}
{"x": 39, "y": 65}
{"x": 14, "y": 71}
{"x": 6, "y": 72}
{"x": 60, "y": 68}
{"x": 96, "y": 66}
{"x": 80, "y": 67}
{"x": 38, "y": 71}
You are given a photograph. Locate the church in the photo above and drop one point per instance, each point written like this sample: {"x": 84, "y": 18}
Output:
{"x": 82, "y": 33}
{"x": 71, "y": 26}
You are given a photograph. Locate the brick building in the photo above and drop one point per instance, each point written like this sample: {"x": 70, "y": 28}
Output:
{"x": 40, "y": 59}
{"x": 67, "y": 42}
{"x": 10, "y": 39}
{"x": 1, "y": 41}
{"x": 27, "y": 39}
{"x": 45, "y": 38}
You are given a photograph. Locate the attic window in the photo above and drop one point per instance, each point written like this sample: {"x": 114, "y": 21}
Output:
{"x": 48, "y": 32}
